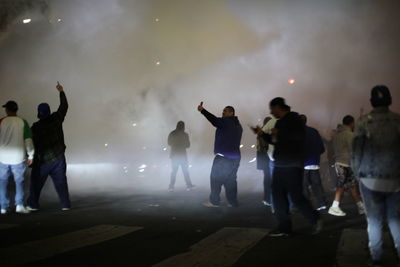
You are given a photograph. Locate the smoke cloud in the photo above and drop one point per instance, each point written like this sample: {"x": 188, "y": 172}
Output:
{"x": 132, "y": 69}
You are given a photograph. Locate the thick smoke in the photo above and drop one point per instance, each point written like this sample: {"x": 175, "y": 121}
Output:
{"x": 132, "y": 69}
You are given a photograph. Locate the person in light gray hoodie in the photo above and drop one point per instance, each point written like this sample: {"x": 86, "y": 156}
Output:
{"x": 375, "y": 161}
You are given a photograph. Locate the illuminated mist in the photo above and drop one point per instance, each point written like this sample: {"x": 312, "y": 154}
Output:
{"x": 132, "y": 69}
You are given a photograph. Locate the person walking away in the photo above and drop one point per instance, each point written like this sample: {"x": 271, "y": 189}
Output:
{"x": 314, "y": 148}
{"x": 375, "y": 161}
{"x": 288, "y": 138}
{"x": 345, "y": 178}
{"x": 15, "y": 143}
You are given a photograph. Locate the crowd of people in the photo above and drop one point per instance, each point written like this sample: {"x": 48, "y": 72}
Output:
{"x": 366, "y": 155}
{"x": 41, "y": 147}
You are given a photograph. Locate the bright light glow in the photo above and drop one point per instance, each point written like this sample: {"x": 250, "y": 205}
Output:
{"x": 241, "y": 146}
{"x": 190, "y": 166}
{"x": 25, "y": 21}
{"x": 134, "y": 124}
{"x": 141, "y": 170}
{"x": 143, "y": 166}
{"x": 253, "y": 146}
{"x": 105, "y": 145}
{"x": 157, "y": 19}
{"x": 291, "y": 81}
{"x": 158, "y": 63}
{"x": 253, "y": 160}
{"x": 165, "y": 149}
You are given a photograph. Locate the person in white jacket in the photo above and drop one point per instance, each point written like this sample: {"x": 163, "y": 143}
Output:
{"x": 16, "y": 153}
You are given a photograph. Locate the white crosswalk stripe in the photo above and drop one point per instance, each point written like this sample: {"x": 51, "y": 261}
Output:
{"x": 7, "y": 226}
{"x": 353, "y": 249}
{"x": 45, "y": 248}
{"x": 221, "y": 249}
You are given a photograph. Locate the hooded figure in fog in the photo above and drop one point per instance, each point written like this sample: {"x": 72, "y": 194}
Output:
{"x": 179, "y": 141}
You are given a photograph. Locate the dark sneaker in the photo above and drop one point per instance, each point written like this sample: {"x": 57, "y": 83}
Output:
{"x": 208, "y": 204}
{"x": 317, "y": 228}
{"x": 278, "y": 233}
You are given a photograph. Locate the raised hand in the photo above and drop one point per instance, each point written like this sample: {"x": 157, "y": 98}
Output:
{"x": 59, "y": 87}
{"x": 200, "y": 107}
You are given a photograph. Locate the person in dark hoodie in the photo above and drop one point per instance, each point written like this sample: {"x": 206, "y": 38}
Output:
{"x": 263, "y": 163}
{"x": 375, "y": 161}
{"x": 227, "y": 156}
{"x": 314, "y": 148}
{"x": 288, "y": 138}
{"x": 48, "y": 138}
{"x": 179, "y": 141}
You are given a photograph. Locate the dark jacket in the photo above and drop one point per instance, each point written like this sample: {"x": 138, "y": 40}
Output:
{"x": 179, "y": 142}
{"x": 289, "y": 142}
{"x": 227, "y": 136}
{"x": 314, "y": 147}
{"x": 48, "y": 135}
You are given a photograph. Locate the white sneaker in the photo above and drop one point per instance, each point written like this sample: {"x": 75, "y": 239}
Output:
{"x": 31, "y": 209}
{"x": 208, "y": 204}
{"x": 65, "y": 209}
{"x": 321, "y": 208}
{"x": 3, "y": 211}
{"x": 361, "y": 210}
{"x": 336, "y": 211}
{"x": 21, "y": 209}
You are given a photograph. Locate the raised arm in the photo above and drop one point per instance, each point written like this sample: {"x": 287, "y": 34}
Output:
{"x": 216, "y": 122}
{"x": 63, "y": 108}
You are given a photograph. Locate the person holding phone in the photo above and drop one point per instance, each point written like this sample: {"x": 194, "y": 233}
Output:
{"x": 226, "y": 163}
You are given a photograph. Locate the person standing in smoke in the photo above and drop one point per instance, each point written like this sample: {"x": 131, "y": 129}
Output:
{"x": 288, "y": 136}
{"x": 375, "y": 161}
{"x": 314, "y": 148}
{"x": 227, "y": 156}
{"x": 178, "y": 140}
{"x": 48, "y": 137}
{"x": 263, "y": 163}
{"x": 341, "y": 142}
{"x": 15, "y": 144}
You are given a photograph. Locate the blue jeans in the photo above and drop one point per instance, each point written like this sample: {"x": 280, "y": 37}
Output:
{"x": 18, "y": 172}
{"x": 57, "y": 171}
{"x": 381, "y": 207}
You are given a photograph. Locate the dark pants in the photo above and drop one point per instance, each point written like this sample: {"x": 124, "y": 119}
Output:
{"x": 57, "y": 171}
{"x": 313, "y": 178}
{"x": 288, "y": 182}
{"x": 183, "y": 163}
{"x": 224, "y": 173}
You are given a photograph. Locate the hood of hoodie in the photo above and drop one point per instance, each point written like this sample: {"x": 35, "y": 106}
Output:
{"x": 343, "y": 128}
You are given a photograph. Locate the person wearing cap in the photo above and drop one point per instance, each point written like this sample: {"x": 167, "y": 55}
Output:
{"x": 48, "y": 137}
{"x": 288, "y": 137}
{"x": 15, "y": 145}
{"x": 375, "y": 161}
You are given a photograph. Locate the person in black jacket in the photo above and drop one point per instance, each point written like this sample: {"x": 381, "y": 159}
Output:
{"x": 227, "y": 156}
{"x": 314, "y": 148}
{"x": 48, "y": 138}
{"x": 288, "y": 138}
{"x": 179, "y": 142}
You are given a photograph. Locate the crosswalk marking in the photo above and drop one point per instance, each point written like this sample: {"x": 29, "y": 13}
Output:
{"x": 7, "y": 226}
{"x": 45, "y": 248}
{"x": 353, "y": 249}
{"x": 221, "y": 249}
